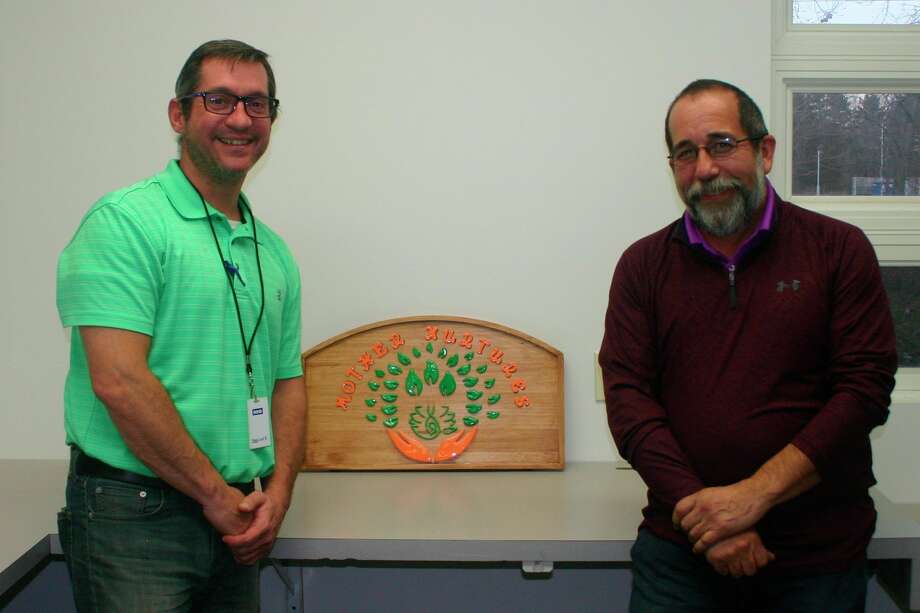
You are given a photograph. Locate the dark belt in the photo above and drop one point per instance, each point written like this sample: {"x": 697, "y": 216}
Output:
{"x": 87, "y": 466}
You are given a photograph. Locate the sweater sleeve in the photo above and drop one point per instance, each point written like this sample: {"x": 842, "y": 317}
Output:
{"x": 638, "y": 422}
{"x": 863, "y": 360}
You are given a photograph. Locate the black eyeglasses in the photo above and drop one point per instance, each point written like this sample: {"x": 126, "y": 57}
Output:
{"x": 257, "y": 107}
{"x": 717, "y": 148}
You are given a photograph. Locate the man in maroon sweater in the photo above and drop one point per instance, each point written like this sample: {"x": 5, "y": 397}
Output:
{"x": 748, "y": 351}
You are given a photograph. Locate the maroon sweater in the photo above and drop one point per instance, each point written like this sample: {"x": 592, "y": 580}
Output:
{"x": 702, "y": 393}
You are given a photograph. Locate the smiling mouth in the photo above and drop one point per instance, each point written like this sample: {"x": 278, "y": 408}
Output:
{"x": 716, "y": 195}
{"x": 234, "y": 141}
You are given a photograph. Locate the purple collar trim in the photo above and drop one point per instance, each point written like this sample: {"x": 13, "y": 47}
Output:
{"x": 766, "y": 221}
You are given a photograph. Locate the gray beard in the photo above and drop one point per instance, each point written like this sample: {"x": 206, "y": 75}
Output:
{"x": 728, "y": 219}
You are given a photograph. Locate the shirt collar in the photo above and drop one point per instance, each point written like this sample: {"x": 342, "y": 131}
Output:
{"x": 695, "y": 237}
{"x": 185, "y": 199}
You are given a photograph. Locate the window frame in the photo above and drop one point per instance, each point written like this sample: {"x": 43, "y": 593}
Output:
{"x": 849, "y": 59}
{"x": 842, "y": 26}
{"x": 790, "y": 39}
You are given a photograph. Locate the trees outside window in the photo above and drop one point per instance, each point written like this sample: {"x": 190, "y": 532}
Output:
{"x": 856, "y": 144}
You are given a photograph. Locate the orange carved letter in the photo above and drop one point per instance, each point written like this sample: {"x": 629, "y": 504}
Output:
{"x": 522, "y": 401}
{"x": 467, "y": 340}
{"x": 431, "y": 333}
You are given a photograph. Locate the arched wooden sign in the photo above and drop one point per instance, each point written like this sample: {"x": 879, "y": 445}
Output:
{"x": 434, "y": 392}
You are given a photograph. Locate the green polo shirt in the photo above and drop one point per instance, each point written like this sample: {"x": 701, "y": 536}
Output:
{"x": 144, "y": 259}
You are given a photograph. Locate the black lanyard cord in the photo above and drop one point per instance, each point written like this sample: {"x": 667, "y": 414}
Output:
{"x": 229, "y": 271}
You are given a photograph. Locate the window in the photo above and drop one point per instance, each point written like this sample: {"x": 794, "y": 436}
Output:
{"x": 902, "y": 284}
{"x": 845, "y": 110}
{"x": 855, "y": 144}
{"x": 855, "y": 12}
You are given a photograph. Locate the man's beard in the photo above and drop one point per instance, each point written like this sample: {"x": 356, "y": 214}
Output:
{"x": 208, "y": 166}
{"x": 725, "y": 219}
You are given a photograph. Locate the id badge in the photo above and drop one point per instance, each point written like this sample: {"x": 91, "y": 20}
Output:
{"x": 258, "y": 423}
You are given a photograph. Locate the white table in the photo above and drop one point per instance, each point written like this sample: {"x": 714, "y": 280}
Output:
{"x": 587, "y": 513}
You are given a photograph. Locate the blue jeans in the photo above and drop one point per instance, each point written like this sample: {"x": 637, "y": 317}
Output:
{"x": 139, "y": 548}
{"x": 669, "y": 578}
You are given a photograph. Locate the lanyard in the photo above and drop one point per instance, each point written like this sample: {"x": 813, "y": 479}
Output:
{"x": 229, "y": 270}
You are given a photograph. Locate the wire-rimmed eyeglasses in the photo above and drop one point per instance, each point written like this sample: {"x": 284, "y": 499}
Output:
{"x": 717, "y": 148}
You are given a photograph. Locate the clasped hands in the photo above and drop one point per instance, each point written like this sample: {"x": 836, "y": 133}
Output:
{"x": 249, "y": 523}
{"x": 719, "y": 521}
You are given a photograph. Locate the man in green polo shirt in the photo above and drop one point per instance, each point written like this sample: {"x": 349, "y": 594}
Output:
{"x": 185, "y": 387}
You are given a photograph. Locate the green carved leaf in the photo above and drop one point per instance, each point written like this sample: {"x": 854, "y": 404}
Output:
{"x": 390, "y": 384}
{"x": 370, "y": 401}
{"x": 463, "y": 370}
{"x": 390, "y": 409}
{"x": 390, "y": 422}
{"x": 394, "y": 369}
{"x": 494, "y": 398}
{"x": 443, "y": 352}
{"x": 474, "y": 394}
{"x": 469, "y": 356}
{"x": 470, "y": 381}
{"x": 380, "y": 373}
{"x": 413, "y": 383}
{"x": 416, "y": 352}
{"x": 470, "y": 421}
{"x": 474, "y": 408}
{"x": 431, "y": 373}
{"x": 489, "y": 383}
{"x": 373, "y": 385}
{"x": 403, "y": 359}
{"x": 429, "y": 348}
{"x": 371, "y": 417}
{"x": 389, "y": 397}
{"x": 492, "y": 414}
{"x": 448, "y": 384}
{"x": 482, "y": 369}
{"x": 452, "y": 360}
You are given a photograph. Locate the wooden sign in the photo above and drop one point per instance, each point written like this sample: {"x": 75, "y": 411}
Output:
{"x": 434, "y": 393}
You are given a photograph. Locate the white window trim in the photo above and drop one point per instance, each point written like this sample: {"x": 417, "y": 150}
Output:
{"x": 847, "y": 58}
{"x": 811, "y": 40}
{"x": 790, "y": 76}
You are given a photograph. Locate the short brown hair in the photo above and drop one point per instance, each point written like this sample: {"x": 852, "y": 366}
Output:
{"x": 232, "y": 50}
{"x": 749, "y": 115}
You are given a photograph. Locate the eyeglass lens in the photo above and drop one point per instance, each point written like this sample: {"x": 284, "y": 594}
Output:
{"x": 225, "y": 104}
{"x": 717, "y": 149}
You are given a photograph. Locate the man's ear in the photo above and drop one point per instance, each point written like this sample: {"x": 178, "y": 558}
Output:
{"x": 767, "y": 149}
{"x": 176, "y": 117}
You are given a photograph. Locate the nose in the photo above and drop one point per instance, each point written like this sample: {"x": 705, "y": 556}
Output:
{"x": 706, "y": 167}
{"x": 238, "y": 118}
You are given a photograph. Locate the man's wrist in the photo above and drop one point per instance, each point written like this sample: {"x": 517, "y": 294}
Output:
{"x": 762, "y": 491}
{"x": 279, "y": 488}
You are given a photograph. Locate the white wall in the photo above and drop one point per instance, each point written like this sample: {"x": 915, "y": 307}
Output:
{"x": 488, "y": 158}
